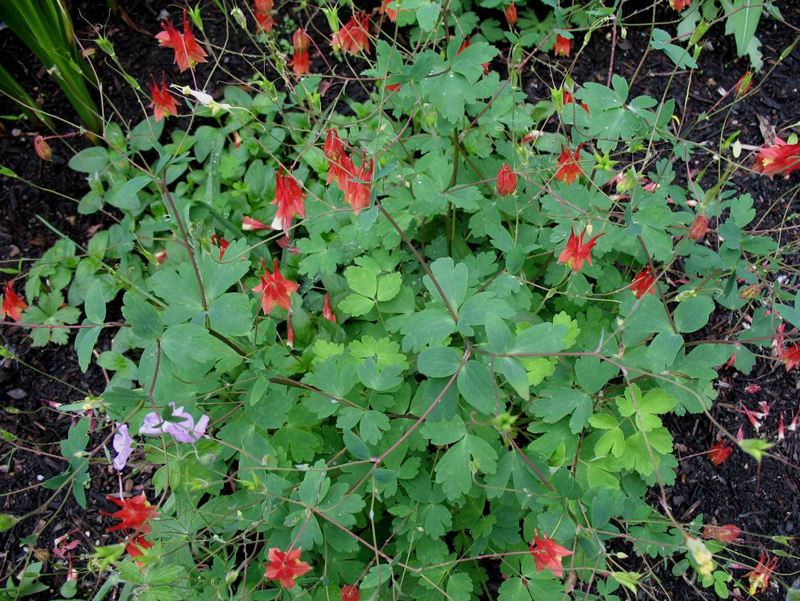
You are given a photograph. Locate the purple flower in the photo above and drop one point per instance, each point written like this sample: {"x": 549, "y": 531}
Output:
{"x": 181, "y": 425}
{"x": 122, "y": 445}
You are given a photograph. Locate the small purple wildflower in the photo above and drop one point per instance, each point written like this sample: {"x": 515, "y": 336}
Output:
{"x": 122, "y": 445}
{"x": 181, "y": 425}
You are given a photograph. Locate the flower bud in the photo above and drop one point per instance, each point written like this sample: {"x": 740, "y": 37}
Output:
{"x": 744, "y": 84}
{"x": 511, "y": 14}
{"x": 699, "y": 227}
{"x": 42, "y": 148}
{"x": 506, "y": 180}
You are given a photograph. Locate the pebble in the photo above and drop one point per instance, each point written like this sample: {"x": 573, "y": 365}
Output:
{"x": 17, "y": 394}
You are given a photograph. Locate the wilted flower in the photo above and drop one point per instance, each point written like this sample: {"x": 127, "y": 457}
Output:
{"x": 12, "y": 305}
{"x": 285, "y": 567}
{"x": 506, "y": 180}
{"x": 759, "y": 577}
{"x": 42, "y": 148}
{"x": 180, "y": 425}
{"x": 719, "y": 452}
{"x": 724, "y": 534}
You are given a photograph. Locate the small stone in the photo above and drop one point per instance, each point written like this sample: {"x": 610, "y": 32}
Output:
{"x": 17, "y": 394}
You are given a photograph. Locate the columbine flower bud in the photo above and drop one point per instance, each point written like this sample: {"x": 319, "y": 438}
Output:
{"x": 42, "y": 148}
{"x": 699, "y": 227}
{"x": 511, "y": 14}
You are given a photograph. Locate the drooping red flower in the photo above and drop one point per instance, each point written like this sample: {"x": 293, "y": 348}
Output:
{"x": 563, "y": 45}
{"x": 576, "y": 252}
{"x": 187, "y": 51}
{"x": 724, "y": 534}
{"x": 262, "y": 10}
{"x": 251, "y": 225}
{"x": 568, "y": 167}
{"x": 759, "y": 577}
{"x": 790, "y": 355}
{"x": 568, "y": 98}
{"x": 290, "y": 200}
{"x": 548, "y": 554}
{"x": 13, "y": 305}
{"x": 301, "y": 42}
{"x": 42, "y": 148}
{"x": 134, "y": 515}
{"x": 780, "y": 159}
{"x": 719, "y": 452}
{"x": 163, "y": 103}
{"x": 699, "y": 227}
{"x": 679, "y": 5}
{"x": 327, "y": 311}
{"x": 353, "y": 37}
{"x": 389, "y": 12}
{"x": 275, "y": 289}
{"x": 286, "y": 567}
{"x": 511, "y": 14}
{"x": 350, "y": 593}
{"x": 220, "y": 243}
{"x": 358, "y": 186}
{"x": 506, "y": 180}
{"x": 393, "y": 87}
{"x": 334, "y": 152}
{"x": 137, "y": 545}
{"x": 744, "y": 84}
{"x": 643, "y": 283}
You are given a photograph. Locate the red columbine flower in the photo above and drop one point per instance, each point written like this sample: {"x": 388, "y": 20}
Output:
{"x": 134, "y": 515}
{"x": 506, "y": 180}
{"x": 464, "y": 45}
{"x": 568, "y": 167}
{"x": 568, "y": 98}
{"x": 163, "y": 102}
{"x": 187, "y": 51}
{"x": 137, "y": 545}
{"x": 577, "y": 252}
{"x": 13, "y": 305}
{"x": 719, "y": 452}
{"x": 262, "y": 10}
{"x": 220, "y": 243}
{"x": 781, "y": 159}
{"x": 327, "y": 311}
{"x": 392, "y": 14}
{"x": 334, "y": 150}
{"x": 643, "y": 283}
{"x": 275, "y": 289}
{"x": 358, "y": 187}
{"x": 511, "y": 14}
{"x": 289, "y": 198}
{"x": 563, "y": 45}
{"x": 724, "y": 534}
{"x": 679, "y": 5}
{"x": 743, "y": 85}
{"x": 547, "y": 554}
{"x": 300, "y": 62}
{"x": 350, "y": 593}
{"x": 790, "y": 356}
{"x": 759, "y": 577}
{"x": 353, "y": 37}
{"x": 42, "y": 148}
{"x": 285, "y": 567}
{"x": 251, "y": 225}
{"x": 699, "y": 227}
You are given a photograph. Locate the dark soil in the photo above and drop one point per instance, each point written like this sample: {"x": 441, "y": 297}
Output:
{"x": 762, "y": 501}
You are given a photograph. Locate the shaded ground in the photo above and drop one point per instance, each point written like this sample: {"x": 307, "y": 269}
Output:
{"x": 762, "y": 502}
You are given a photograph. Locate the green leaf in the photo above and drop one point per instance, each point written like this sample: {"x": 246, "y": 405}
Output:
{"x": 84, "y": 344}
{"x": 742, "y": 20}
{"x": 556, "y": 403}
{"x": 475, "y": 383}
{"x": 692, "y": 314}
{"x": 143, "y": 318}
{"x": 755, "y": 447}
{"x": 90, "y": 160}
{"x": 451, "y": 278}
{"x": 357, "y": 305}
{"x": 95, "y": 303}
{"x": 388, "y": 286}
{"x": 362, "y": 280}
{"x": 439, "y": 362}
{"x": 124, "y": 196}
{"x": 455, "y": 468}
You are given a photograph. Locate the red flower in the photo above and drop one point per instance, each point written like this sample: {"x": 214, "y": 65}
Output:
{"x": 563, "y": 45}
{"x": 327, "y": 311}
{"x": 334, "y": 152}
{"x": 568, "y": 98}
{"x": 251, "y": 225}
{"x": 42, "y": 148}
{"x": 724, "y": 534}
{"x": 390, "y": 12}
{"x": 285, "y": 567}
{"x": 275, "y": 289}
{"x": 262, "y": 10}
{"x": 781, "y": 159}
{"x": 137, "y": 545}
{"x": 163, "y": 103}
{"x": 511, "y": 14}
{"x": 643, "y": 283}
{"x": 353, "y": 37}
{"x": 759, "y": 577}
{"x": 13, "y": 305}
{"x": 393, "y": 87}
{"x": 301, "y": 41}
{"x": 358, "y": 186}
{"x": 290, "y": 200}
{"x": 679, "y": 5}
{"x": 577, "y": 252}
{"x": 790, "y": 356}
{"x": 464, "y": 45}
{"x": 506, "y": 180}
{"x": 289, "y": 332}
{"x": 547, "y": 554}
{"x": 744, "y": 84}
{"x": 220, "y": 243}
{"x": 135, "y": 513}
{"x": 187, "y": 51}
{"x": 719, "y": 453}
{"x": 699, "y": 227}
{"x": 350, "y": 593}
{"x": 568, "y": 168}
